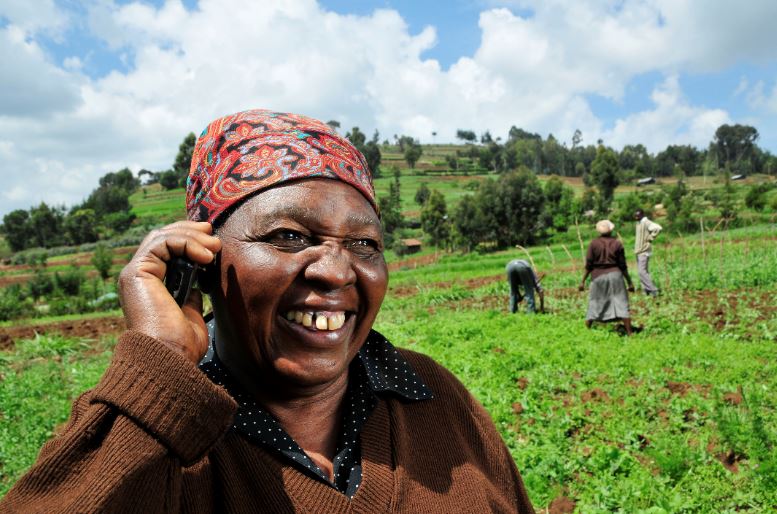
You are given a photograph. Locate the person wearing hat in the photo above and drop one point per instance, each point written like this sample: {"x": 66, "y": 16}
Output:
{"x": 286, "y": 400}
{"x": 605, "y": 262}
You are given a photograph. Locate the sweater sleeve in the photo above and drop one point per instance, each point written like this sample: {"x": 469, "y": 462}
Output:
{"x": 127, "y": 441}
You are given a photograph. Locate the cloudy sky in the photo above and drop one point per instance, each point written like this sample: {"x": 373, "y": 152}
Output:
{"x": 91, "y": 87}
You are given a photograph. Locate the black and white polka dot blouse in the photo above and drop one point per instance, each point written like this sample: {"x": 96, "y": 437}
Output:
{"x": 377, "y": 370}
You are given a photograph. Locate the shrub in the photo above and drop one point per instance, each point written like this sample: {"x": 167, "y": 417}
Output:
{"x": 756, "y": 196}
{"x": 70, "y": 281}
{"x": 14, "y": 303}
{"x": 41, "y": 284}
{"x": 102, "y": 259}
{"x": 71, "y": 305}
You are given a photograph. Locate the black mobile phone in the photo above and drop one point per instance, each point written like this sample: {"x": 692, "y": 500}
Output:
{"x": 180, "y": 277}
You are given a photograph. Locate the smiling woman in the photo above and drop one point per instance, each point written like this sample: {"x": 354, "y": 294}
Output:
{"x": 286, "y": 400}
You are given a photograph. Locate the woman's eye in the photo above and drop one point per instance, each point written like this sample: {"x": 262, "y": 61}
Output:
{"x": 288, "y": 239}
{"x": 364, "y": 246}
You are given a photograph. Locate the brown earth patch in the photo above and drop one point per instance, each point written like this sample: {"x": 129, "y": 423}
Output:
{"x": 92, "y": 328}
{"x": 8, "y": 280}
{"x": 414, "y": 262}
{"x": 678, "y": 388}
{"x": 562, "y": 505}
{"x": 730, "y": 459}
{"x": 594, "y": 395}
{"x": 734, "y": 398}
{"x": 517, "y": 408}
{"x": 522, "y": 383}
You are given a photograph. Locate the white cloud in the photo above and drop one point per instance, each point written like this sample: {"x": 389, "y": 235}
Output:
{"x": 34, "y": 16}
{"x": 672, "y": 121}
{"x": 62, "y": 130}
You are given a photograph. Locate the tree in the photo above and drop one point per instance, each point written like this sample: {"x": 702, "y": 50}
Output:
{"x": 422, "y": 194}
{"x": 45, "y": 225}
{"x": 553, "y": 156}
{"x": 108, "y": 199}
{"x": 169, "y": 179}
{"x": 756, "y": 196}
{"x": 518, "y": 134}
{"x": 577, "y": 138}
{"x": 559, "y": 204}
{"x": 486, "y": 138}
{"x": 503, "y": 212}
{"x": 356, "y": 137}
{"x": 81, "y": 226}
{"x": 152, "y": 177}
{"x": 605, "y": 175}
{"x": 468, "y": 136}
{"x": 391, "y": 210}
{"x": 468, "y": 223}
{"x": 413, "y": 153}
{"x": 434, "y": 219}
{"x": 735, "y": 144}
{"x": 16, "y": 229}
{"x": 183, "y": 160}
{"x": 370, "y": 150}
{"x": 333, "y": 124}
{"x": 122, "y": 179}
{"x": 404, "y": 141}
{"x": 102, "y": 259}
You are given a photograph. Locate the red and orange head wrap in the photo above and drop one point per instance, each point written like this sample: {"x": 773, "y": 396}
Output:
{"x": 243, "y": 153}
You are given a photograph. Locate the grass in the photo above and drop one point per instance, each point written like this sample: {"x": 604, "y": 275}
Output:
{"x": 679, "y": 418}
{"x": 40, "y": 379}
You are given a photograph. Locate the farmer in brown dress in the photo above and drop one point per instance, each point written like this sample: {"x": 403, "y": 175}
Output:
{"x": 605, "y": 262}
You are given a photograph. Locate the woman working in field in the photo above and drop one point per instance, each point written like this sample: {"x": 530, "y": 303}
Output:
{"x": 287, "y": 400}
{"x": 605, "y": 262}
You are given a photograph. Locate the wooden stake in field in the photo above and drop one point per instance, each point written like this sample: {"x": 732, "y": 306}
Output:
{"x": 572, "y": 259}
{"x": 703, "y": 249}
{"x": 527, "y": 255}
{"x": 580, "y": 239}
{"x": 552, "y": 259}
{"x": 720, "y": 256}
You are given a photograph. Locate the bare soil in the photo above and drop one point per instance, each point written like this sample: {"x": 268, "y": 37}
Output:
{"x": 92, "y": 328}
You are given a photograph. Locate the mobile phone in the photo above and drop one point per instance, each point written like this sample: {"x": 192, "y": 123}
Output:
{"x": 180, "y": 277}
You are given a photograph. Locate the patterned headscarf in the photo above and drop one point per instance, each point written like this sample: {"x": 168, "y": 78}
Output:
{"x": 240, "y": 154}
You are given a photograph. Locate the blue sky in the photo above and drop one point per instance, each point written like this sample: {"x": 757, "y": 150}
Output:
{"x": 91, "y": 87}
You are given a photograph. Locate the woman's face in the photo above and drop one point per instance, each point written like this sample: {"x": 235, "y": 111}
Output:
{"x": 302, "y": 277}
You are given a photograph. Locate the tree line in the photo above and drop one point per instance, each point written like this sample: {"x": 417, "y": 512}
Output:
{"x": 106, "y": 212}
{"x": 733, "y": 148}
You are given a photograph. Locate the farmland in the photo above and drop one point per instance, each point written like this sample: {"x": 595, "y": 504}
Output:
{"x": 678, "y": 418}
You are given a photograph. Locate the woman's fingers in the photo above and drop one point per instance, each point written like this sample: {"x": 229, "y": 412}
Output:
{"x": 148, "y": 306}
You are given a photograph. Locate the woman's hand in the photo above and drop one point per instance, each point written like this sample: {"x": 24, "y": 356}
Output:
{"x": 148, "y": 306}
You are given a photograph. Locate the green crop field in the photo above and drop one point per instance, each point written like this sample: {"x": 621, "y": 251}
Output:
{"x": 678, "y": 418}
{"x": 681, "y": 417}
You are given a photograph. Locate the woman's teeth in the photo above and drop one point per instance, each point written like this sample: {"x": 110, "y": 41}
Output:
{"x": 319, "y": 321}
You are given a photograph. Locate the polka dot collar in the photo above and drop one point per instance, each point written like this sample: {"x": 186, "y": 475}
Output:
{"x": 377, "y": 370}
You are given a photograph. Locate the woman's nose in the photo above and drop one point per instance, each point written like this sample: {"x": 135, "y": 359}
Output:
{"x": 331, "y": 267}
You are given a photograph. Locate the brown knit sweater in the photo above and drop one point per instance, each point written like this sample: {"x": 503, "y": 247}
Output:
{"x": 153, "y": 436}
